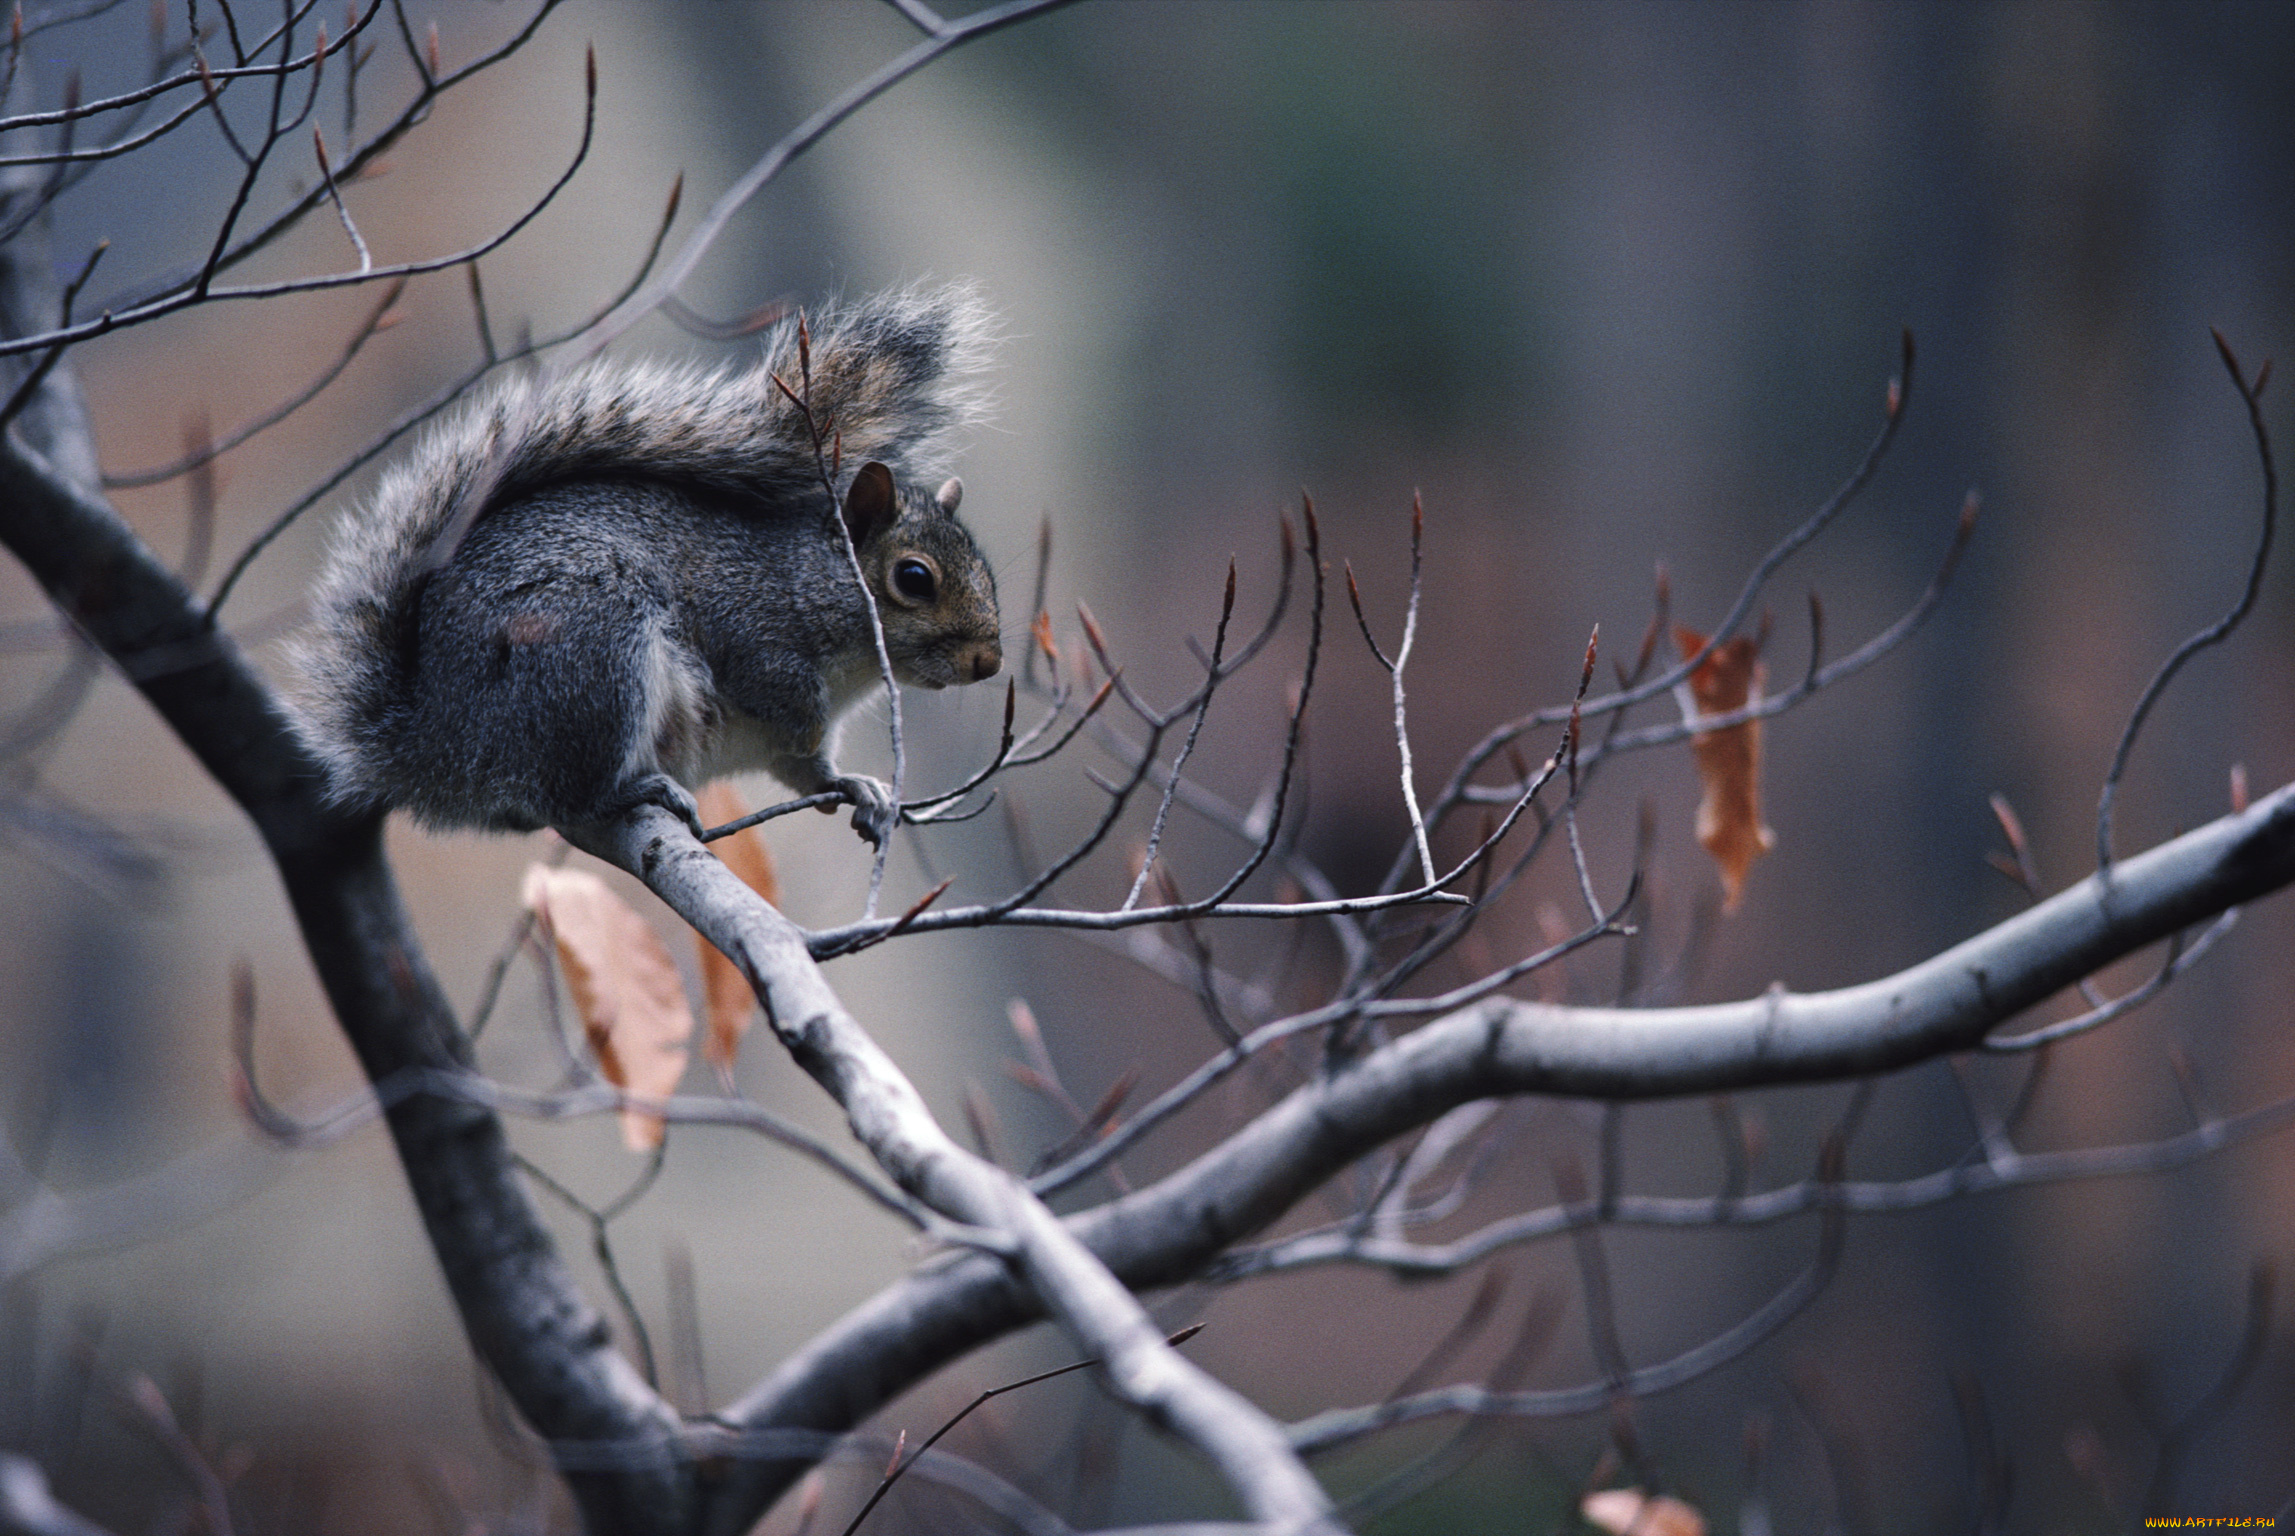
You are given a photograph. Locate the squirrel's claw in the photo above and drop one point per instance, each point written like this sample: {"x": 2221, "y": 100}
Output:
{"x": 875, "y": 812}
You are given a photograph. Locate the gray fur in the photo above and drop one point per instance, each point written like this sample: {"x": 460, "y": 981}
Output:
{"x": 590, "y": 590}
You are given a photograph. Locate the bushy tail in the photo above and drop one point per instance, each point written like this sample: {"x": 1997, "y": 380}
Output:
{"x": 892, "y": 378}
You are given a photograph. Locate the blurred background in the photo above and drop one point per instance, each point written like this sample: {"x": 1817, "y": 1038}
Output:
{"x": 1607, "y": 288}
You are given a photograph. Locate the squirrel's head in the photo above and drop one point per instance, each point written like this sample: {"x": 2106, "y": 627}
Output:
{"x": 935, "y": 594}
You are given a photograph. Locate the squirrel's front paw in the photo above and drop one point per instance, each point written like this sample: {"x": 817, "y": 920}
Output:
{"x": 875, "y": 812}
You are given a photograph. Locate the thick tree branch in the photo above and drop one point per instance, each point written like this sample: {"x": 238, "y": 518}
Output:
{"x": 1166, "y": 1233}
{"x": 889, "y": 1116}
{"x": 522, "y": 1311}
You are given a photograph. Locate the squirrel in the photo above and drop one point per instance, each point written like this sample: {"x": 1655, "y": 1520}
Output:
{"x": 602, "y": 589}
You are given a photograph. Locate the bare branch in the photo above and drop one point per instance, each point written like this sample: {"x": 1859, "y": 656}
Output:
{"x": 1187, "y": 747}
{"x": 1457, "y": 791}
{"x": 203, "y": 291}
{"x": 1395, "y": 674}
{"x": 1338, "y": 1427}
{"x": 209, "y": 80}
{"x": 2180, "y": 958}
{"x": 182, "y": 291}
{"x": 901, "y": 1466}
{"x": 953, "y": 35}
{"x": 2251, "y": 395}
{"x": 525, "y": 1316}
{"x": 1169, "y": 1231}
{"x": 887, "y": 1114}
{"x": 342, "y": 212}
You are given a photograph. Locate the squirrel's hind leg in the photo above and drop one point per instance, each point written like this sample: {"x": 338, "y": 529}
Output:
{"x": 677, "y": 717}
{"x": 662, "y": 790}
{"x": 544, "y": 701}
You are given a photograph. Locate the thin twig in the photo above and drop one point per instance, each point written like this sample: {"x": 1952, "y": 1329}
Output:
{"x": 2251, "y": 395}
{"x": 901, "y": 1465}
{"x": 799, "y": 139}
{"x": 1187, "y": 746}
{"x": 342, "y": 211}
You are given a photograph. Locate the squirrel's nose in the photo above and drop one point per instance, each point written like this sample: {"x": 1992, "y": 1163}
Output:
{"x": 984, "y": 661}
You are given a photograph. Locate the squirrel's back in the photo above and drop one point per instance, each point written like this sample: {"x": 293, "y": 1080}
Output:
{"x": 890, "y": 380}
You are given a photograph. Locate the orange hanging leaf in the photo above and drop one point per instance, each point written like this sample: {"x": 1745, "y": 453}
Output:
{"x": 1729, "y": 821}
{"x": 624, "y": 985}
{"x": 1619, "y": 1510}
{"x": 726, "y": 995}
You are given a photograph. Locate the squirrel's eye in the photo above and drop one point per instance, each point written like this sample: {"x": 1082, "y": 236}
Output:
{"x": 913, "y": 580}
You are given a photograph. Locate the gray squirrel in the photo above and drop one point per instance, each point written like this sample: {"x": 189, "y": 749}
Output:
{"x": 597, "y": 590}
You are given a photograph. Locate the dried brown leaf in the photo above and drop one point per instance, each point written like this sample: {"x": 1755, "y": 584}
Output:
{"x": 1620, "y": 1510}
{"x": 1729, "y": 823}
{"x": 623, "y": 984}
{"x": 726, "y": 995}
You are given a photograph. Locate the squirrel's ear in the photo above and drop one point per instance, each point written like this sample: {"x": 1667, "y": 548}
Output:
{"x": 949, "y": 495}
{"x": 870, "y": 505}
